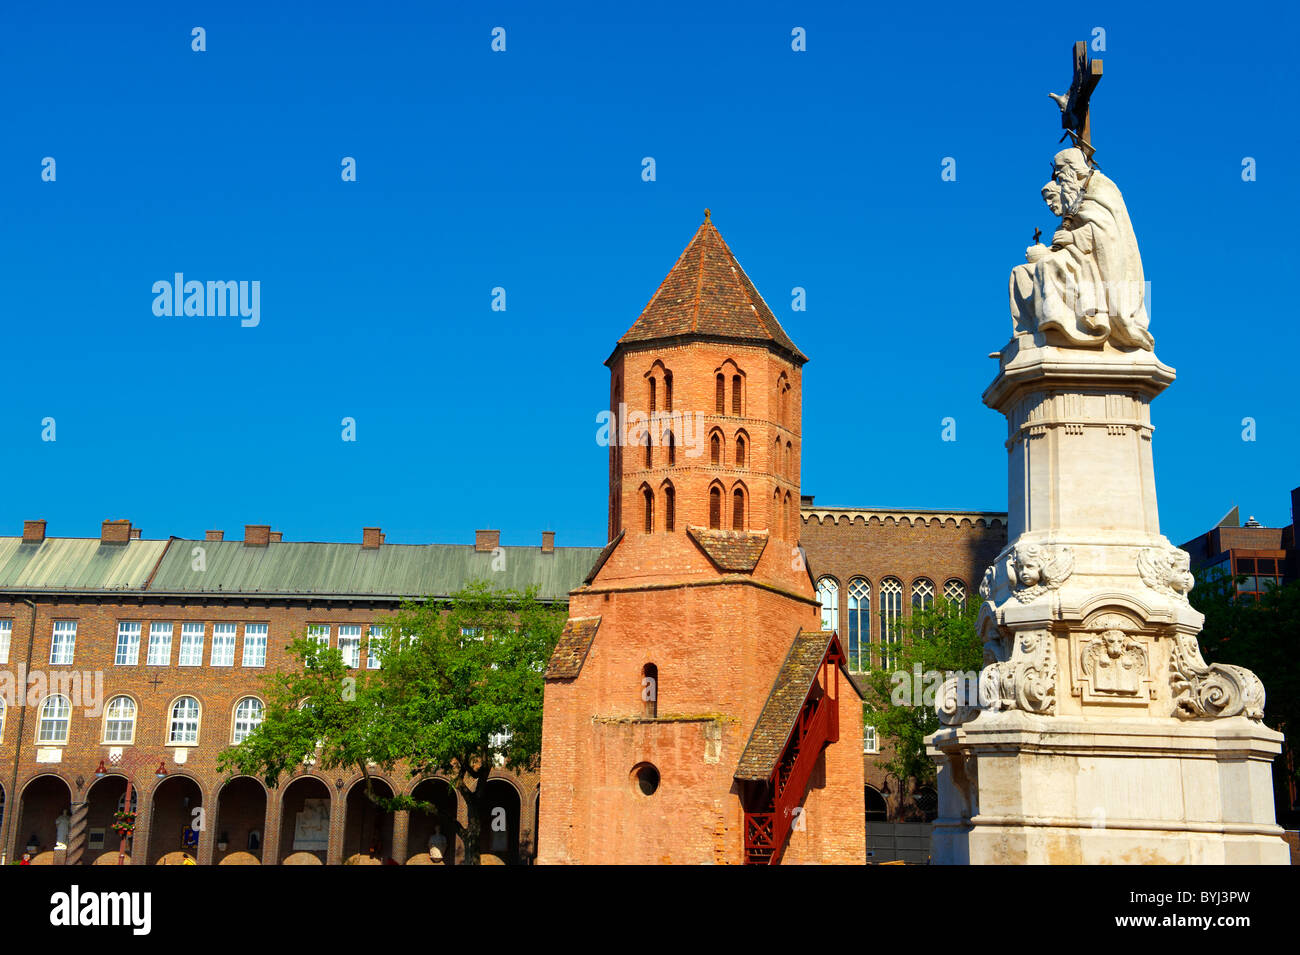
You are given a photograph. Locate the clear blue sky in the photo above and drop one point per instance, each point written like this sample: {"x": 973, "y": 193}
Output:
{"x": 523, "y": 170}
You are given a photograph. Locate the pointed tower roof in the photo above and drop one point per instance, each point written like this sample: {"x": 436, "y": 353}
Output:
{"x": 708, "y": 295}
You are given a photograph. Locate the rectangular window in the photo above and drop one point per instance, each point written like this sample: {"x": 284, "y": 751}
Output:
{"x": 160, "y": 645}
{"x": 255, "y": 644}
{"x": 63, "y": 643}
{"x": 191, "y": 645}
{"x": 377, "y": 637}
{"x": 223, "y": 644}
{"x": 128, "y": 644}
{"x": 350, "y": 644}
{"x": 320, "y": 632}
{"x": 869, "y": 744}
{"x": 6, "y": 635}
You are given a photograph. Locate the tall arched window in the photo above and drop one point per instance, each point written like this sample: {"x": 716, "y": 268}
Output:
{"x": 649, "y": 691}
{"x": 859, "y": 624}
{"x": 183, "y": 727}
{"x": 649, "y": 454}
{"x": 670, "y": 507}
{"x": 648, "y": 501}
{"x": 672, "y": 449}
{"x": 789, "y": 460}
{"x": 738, "y": 510}
{"x": 923, "y": 598}
{"x": 715, "y": 448}
{"x": 740, "y": 451}
{"x": 715, "y": 508}
{"x": 778, "y": 515}
{"x": 720, "y": 395}
{"x": 56, "y": 712}
{"x": 783, "y": 397}
{"x": 248, "y": 717}
{"x": 652, "y": 395}
{"x": 119, "y": 720}
{"x": 792, "y": 518}
{"x": 668, "y": 391}
{"x": 891, "y": 612}
{"x": 736, "y": 395}
{"x": 954, "y": 591}
{"x": 828, "y": 594}
{"x": 776, "y": 456}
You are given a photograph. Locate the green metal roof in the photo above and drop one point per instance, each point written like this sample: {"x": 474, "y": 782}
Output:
{"x": 72, "y": 563}
{"x": 346, "y": 570}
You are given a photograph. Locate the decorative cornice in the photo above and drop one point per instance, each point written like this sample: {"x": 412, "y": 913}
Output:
{"x": 908, "y": 517}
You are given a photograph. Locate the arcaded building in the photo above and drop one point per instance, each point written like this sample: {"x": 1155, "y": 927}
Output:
{"x": 145, "y": 658}
{"x": 696, "y": 711}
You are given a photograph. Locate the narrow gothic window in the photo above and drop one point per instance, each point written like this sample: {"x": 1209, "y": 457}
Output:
{"x": 791, "y": 518}
{"x": 735, "y": 395}
{"x": 828, "y": 595}
{"x": 720, "y": 400}
{"x": 715, "y": 450}
{"x": 738, "y": 510}
{"x": 672, "y": 449}
{"x": 740, "y": 451}
{"x": 859, "y": 625}
{"x": 668, "y": 391}
{"x": 776, "y": 456}
{"x": 789, "y": 459}
{"x": 649, "y": 458}
{"x": 954, "y": 591}
{"x": 649, "y": 691}
{"x": 652, "y": 395}
{"x": 649, "y": 510}
{"x": 670, "y": 507}
{"x": 778, "y": 523}
{"x": 715, "y": 508}
{"x": 891, "y": 610}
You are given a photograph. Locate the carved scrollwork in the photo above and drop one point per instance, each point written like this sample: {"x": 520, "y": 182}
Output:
{"x": 1035, "y": 569}
{"x": 1166, "y": 570}
{"x": 986, "y": 585}
{"x": 1027, "y": 681}
{"x": 1211, "y": 690}
{"x": 953, "y": 704}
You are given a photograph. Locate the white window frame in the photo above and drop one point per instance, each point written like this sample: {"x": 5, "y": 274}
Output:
{"x": 320, "y": 633}
{"x": 828, "y": 595}
{"x": 113, "y": 722}
{"x": 351, "y": 649}
{"x": 184, "y": 721}
{"x": 859, "y": 628}
{"x": 61, "y": 718}
{"x": 870, "y": 742}
{"x": 6, "y": 638}
{"x": 158, "y": 629}
{"x": 891, "y": 617}
{"x": 256, "y": 636}
{"x": 63, "y": 642}
{"x": 243, "y": 724}
{"x": 377, "y": 636}
{"x": 191, "y": 653}
{"x": 128, "y": 643}
{"x": 954, "y": 591}
{"x": 224, "y": 635}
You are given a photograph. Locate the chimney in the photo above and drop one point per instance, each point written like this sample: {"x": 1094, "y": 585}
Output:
{"x": 33, "y": 532}
{"x": 548, "y": 542}
{"x": 277, "y": 536}
{"x": 115, "y": 532}
{"x": 487, "y": 540}
{"x": 135, "y": 533}
{"x": 805, "y": 500}
{"x": 215, "y": 535}
{"x": 371, "y": 537}
{"x": 257, "y": 535}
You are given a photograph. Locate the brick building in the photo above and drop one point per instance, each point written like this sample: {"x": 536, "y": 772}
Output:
{"x": 1257, "y": 553}
{"x": 695, "y": 709}
{"x": 872, "y": 565}
{"x": 146, "y": 658}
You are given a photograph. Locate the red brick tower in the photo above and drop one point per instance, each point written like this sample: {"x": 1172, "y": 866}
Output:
{"x": 694, "y": 710}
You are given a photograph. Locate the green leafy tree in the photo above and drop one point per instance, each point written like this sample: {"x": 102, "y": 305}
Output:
{"x": 458, "y": 691}
{"x": 1264, "y": 636}
{"x": 934, "y": 642}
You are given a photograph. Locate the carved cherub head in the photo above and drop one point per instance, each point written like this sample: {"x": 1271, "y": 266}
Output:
{"x": 1028, "y": 563}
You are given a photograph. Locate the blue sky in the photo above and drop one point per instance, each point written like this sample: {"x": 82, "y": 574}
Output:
{"x": 522, "y": 170}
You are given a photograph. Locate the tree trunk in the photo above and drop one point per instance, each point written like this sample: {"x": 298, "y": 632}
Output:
{"x": 471, "y": 828}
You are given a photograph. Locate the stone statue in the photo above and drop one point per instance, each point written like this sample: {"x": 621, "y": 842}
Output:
{"x": 437, "y": 845}
{"x": 61, "y": 826}
{"x": 1088, "y": 286}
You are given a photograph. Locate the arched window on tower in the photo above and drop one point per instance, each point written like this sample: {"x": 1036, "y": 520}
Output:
{"x": 776, "y": 456}
{"x": 736, "y": 396}
{"x": 859, "y": 625}
{"x": 648, "y": 496}
{"x": 792, "y": 518}
{"x": 789, "y": 460}
{"x": 738, "y": 509}
{"x": 720, "y": 397}
{"x": 672, "y": 449}
{"x": 649, "y": 691}
{"x": 670, "y": 507}
{"x": 778, "y": 515}
{"x": 783, "y": 399}
{"x": 828, "y": 595}
{"x": 652, "y": 395}
{"x": 649, "y": 453}
{"x": 740, "y": 451}
{"x": 668, "y": 391}
{"x": 715, "y": 448}
{"x": 715, "y": 508}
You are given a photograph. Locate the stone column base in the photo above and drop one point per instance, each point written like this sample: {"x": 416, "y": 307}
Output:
{"x": 1019, "y": 788}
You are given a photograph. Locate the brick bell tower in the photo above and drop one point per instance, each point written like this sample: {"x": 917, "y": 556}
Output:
{"x": 695, "y": 712}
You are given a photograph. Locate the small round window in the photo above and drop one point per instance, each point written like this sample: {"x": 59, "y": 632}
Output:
{"x": 645, "y": 779}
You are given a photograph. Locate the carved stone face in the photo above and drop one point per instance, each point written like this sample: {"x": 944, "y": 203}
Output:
{"x": 1052, "y": 196}
{"x": 1029, "y": 566}
{"x": 1114, "y": 643}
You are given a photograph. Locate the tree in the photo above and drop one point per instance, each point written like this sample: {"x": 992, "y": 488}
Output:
{"x": 458, "y": 691}
{"x": 1263, "y": 636}
{"x": 934, "y": 642}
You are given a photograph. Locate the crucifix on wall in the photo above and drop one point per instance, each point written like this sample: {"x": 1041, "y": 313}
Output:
{"x": 1075, "y": 119}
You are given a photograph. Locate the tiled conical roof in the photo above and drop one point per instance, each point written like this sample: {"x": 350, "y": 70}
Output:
{"x": 708, "y": 294}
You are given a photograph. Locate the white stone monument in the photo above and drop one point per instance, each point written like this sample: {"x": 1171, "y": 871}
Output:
{"x": 1097, "y": 733}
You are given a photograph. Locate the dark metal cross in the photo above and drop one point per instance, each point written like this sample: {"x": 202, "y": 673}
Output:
{"x": 1075, "y": 119}
{"x": 155, "y": 681}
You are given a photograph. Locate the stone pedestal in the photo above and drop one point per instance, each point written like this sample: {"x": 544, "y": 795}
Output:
{"x": 1096, "y": 732}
